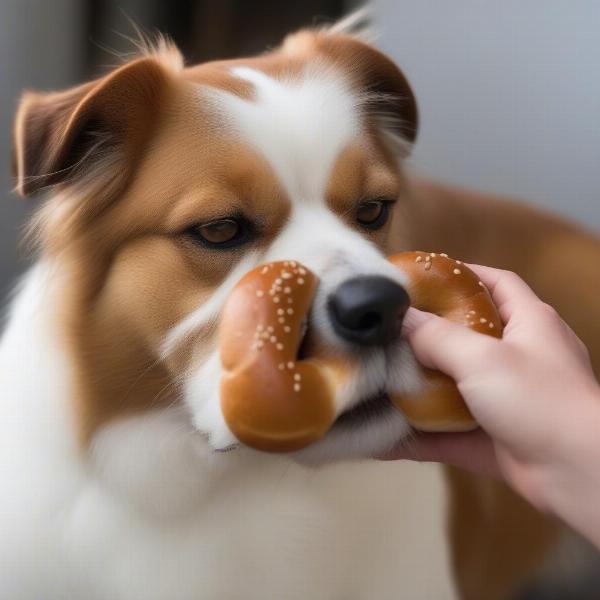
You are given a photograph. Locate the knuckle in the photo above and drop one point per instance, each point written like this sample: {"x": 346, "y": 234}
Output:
{"x": 509, "y": 274}
{"x": 510, "y": 277}
{"x": 499, "y": 356}
{"x": 548, "y": 311}
{"x": 584, "y": 350}
{"x": 493, "y": 353}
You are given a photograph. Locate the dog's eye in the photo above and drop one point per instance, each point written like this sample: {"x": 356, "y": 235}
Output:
{"x": 222, "y": 233}
{"x": 373, "y": 214}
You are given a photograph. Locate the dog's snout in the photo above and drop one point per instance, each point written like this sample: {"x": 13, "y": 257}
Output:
{"x": 368, "y": 310}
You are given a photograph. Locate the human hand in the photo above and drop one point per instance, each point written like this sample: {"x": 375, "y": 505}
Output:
{"x": 533, "y": 392}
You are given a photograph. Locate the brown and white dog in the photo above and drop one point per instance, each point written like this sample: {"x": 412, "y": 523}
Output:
{"x": 167, "y": 184}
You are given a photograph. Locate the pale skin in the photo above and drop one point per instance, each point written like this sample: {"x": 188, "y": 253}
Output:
{"x": 534, "y": 394}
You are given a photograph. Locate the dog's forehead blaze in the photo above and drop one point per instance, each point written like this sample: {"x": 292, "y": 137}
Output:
{"x": 205, "y": 160}
{"x": 299, "y": 124}
{"x": 307, "y": 133}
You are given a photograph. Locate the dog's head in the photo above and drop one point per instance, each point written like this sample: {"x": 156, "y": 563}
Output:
{"x": 169, "y": 183}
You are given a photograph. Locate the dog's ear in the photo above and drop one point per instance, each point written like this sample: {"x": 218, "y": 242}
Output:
{"x": 58, "y": 137}
{"x": 388, "y": 94}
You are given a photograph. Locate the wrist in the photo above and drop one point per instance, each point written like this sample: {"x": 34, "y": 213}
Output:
{"x": 570, "y": 484}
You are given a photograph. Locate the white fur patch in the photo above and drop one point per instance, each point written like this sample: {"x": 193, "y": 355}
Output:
{"x": 299, "y": 124}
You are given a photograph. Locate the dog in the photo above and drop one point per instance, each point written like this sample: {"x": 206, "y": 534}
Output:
{"x": 167, "y": 183}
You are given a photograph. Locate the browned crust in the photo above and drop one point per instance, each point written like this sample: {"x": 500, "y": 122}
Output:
{"x": 445, "y": 287}
{"x": 272, "y": 401}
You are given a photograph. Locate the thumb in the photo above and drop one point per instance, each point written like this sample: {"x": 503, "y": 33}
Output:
{"x": 446, "y": 346}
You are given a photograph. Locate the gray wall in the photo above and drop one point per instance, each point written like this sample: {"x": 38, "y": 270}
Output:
{"x": 509, "y": 94}
{"x": 39, "y": 48}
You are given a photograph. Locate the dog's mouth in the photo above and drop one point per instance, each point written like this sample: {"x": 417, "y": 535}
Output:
{"x": 365, "y": 410}
{"x": 368, "y": 411}
{"x": 371, "y": 409}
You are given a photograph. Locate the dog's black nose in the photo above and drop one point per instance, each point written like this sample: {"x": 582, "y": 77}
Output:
{"x": 368, "y": 310}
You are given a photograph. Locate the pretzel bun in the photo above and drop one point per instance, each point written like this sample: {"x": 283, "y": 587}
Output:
{"x": 445, "y": 287}
{"x": 270, "y": 400}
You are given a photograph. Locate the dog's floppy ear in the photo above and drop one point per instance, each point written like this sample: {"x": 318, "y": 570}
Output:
{"x": 59, "y": 136}
{"x": 389, "y": 96}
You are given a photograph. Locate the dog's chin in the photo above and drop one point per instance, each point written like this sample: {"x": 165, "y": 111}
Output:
{"x": 370, "y": 428}
{"x": 371, "y": 425}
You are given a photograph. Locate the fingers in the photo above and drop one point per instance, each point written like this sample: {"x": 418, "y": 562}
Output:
{"x": 413, "y": 319}
{"x": 509, "y": 292}
{"x": 448, "y": 347}
{"x": 503, "y": 285}
{"x": 471, "y": 451}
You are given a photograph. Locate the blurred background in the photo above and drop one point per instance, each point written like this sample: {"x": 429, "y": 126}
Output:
{"x": 508, "y": 90}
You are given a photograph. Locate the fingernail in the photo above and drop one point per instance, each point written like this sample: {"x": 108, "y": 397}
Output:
{"x": 413, "y": 318}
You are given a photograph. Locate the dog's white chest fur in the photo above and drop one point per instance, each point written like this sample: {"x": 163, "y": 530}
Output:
{"x": 155, "y": 515}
